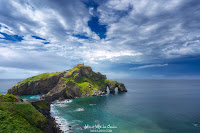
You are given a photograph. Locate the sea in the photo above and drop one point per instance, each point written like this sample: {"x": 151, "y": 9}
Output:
{"x": 149, "y": 106}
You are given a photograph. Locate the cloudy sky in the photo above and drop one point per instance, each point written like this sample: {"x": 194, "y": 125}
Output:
{"x": 120, "y": 38}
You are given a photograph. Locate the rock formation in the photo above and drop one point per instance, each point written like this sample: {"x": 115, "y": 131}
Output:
{"x": 76, "y": 82}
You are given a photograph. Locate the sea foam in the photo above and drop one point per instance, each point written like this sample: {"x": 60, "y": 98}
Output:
{"x": 79, "y": 109}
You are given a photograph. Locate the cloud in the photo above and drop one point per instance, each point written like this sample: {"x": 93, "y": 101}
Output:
{"x": 119, "y": 75}
{"x": 154, "y": 29}
{"x": 149, "y": 29}
{"x": 111, "y": 55}
{"x": 30, "y": 17}
{"x": 31, "y": 60}
{"x": 16, "y": 73}
{"x": 137, "y": 32}
{"x": 148, "y": 66}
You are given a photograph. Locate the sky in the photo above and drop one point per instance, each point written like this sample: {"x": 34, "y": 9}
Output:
{"x": 131, "y": 39}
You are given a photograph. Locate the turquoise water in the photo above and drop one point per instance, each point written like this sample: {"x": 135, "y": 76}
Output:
{"x": 149, "y": 106}
{"x": 30, "y": 97}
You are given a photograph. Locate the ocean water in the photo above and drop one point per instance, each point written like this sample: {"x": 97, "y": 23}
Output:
{"x": 5, "y": 84}
{"x": 149, "y": 106}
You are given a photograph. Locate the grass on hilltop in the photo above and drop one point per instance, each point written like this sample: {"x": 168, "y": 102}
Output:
{"x": 38, "y": 77}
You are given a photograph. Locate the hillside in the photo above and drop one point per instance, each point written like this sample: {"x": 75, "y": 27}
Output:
{"x": 76, "y": 82}
{"x": 17, "y": 116}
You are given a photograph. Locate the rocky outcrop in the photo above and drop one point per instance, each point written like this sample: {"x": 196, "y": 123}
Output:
{"x": 112, "y": 85}
{"x": 77, "y": 82}
{"x": 40, "y": 86}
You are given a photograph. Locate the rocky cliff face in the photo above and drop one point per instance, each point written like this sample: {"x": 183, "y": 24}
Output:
{"x": 40, "y": 84}
{"x": 76, "y": 82}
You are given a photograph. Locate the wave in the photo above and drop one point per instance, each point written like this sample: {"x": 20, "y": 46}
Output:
{"x": 64, "y": 101}
{"x": 197, "y": 125}
{"x": 79, "y": 109}
{"x": 92, "y": 104}
{"x": 63, "y": 123}
{"x": 35, "y": 97}
{"x": 54, "y": 111}
{"x": 61, "y": 105}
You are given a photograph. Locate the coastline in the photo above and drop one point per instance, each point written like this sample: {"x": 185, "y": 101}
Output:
{"x": 56, "y": 119}
{"x": 61, "y": 124}
{"x": 51, "y": 126}
{"x": 80, "y": 81}
{"x": 143, "y": 99}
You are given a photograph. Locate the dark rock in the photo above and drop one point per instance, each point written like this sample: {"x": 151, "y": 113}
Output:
{"x": 76, "y": 82}
{"x": 42, "y": 106}
{"x": 52, "y": 126}
{"x": 42, "y": 86}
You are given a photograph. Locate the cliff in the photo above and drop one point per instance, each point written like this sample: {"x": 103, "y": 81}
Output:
{"x": 23, "y": 117}
{"x": 76, "y": 82}
{"x": 17, "y": 116}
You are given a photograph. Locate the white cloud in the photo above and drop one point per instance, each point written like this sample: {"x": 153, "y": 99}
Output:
{"x": 152, "y": 28}
{"x": 31, "y": 60}
{"x": 5, "y": 29}
{"x": 91, "y": 10}
{"x": 2, "y": 36}
{"x": 134, "y": 37}
{"x": 117, "y": 75}
{"x": 16, "y": 73}
{"x": 148, "y": 66}
{"x": 109, "y": 55}
{"x": 142, "y": 32}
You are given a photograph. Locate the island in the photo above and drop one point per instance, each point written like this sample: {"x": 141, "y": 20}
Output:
{"x": 79, "y": 81}
{"x": 17, "y": 115}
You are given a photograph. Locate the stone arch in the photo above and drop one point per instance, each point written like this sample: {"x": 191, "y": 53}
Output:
{"x": 112, "y": 87}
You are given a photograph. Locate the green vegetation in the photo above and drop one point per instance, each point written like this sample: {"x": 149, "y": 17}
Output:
{"x": 87, "y": 85}
{"x": 87, "y": 81}
{"x": 85, "y": 88}
{"x": 68, "y": 83}
{"x": 73, "y": 69}
{"x": 110, "y": 82}
{"x": 38, "y": 77}
{"x": 41, "y": 105}
{"x": 9, "y": 98}
{"x": 20, "y": 117}
{"x": 66, "y": 79}
{"x": 98, "y": 84}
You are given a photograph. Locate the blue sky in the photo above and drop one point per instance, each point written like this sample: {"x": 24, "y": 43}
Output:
{"x": 122, "y": 39}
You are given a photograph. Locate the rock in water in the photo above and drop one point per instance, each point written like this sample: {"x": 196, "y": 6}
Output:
{"x": 76, "y": 82}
